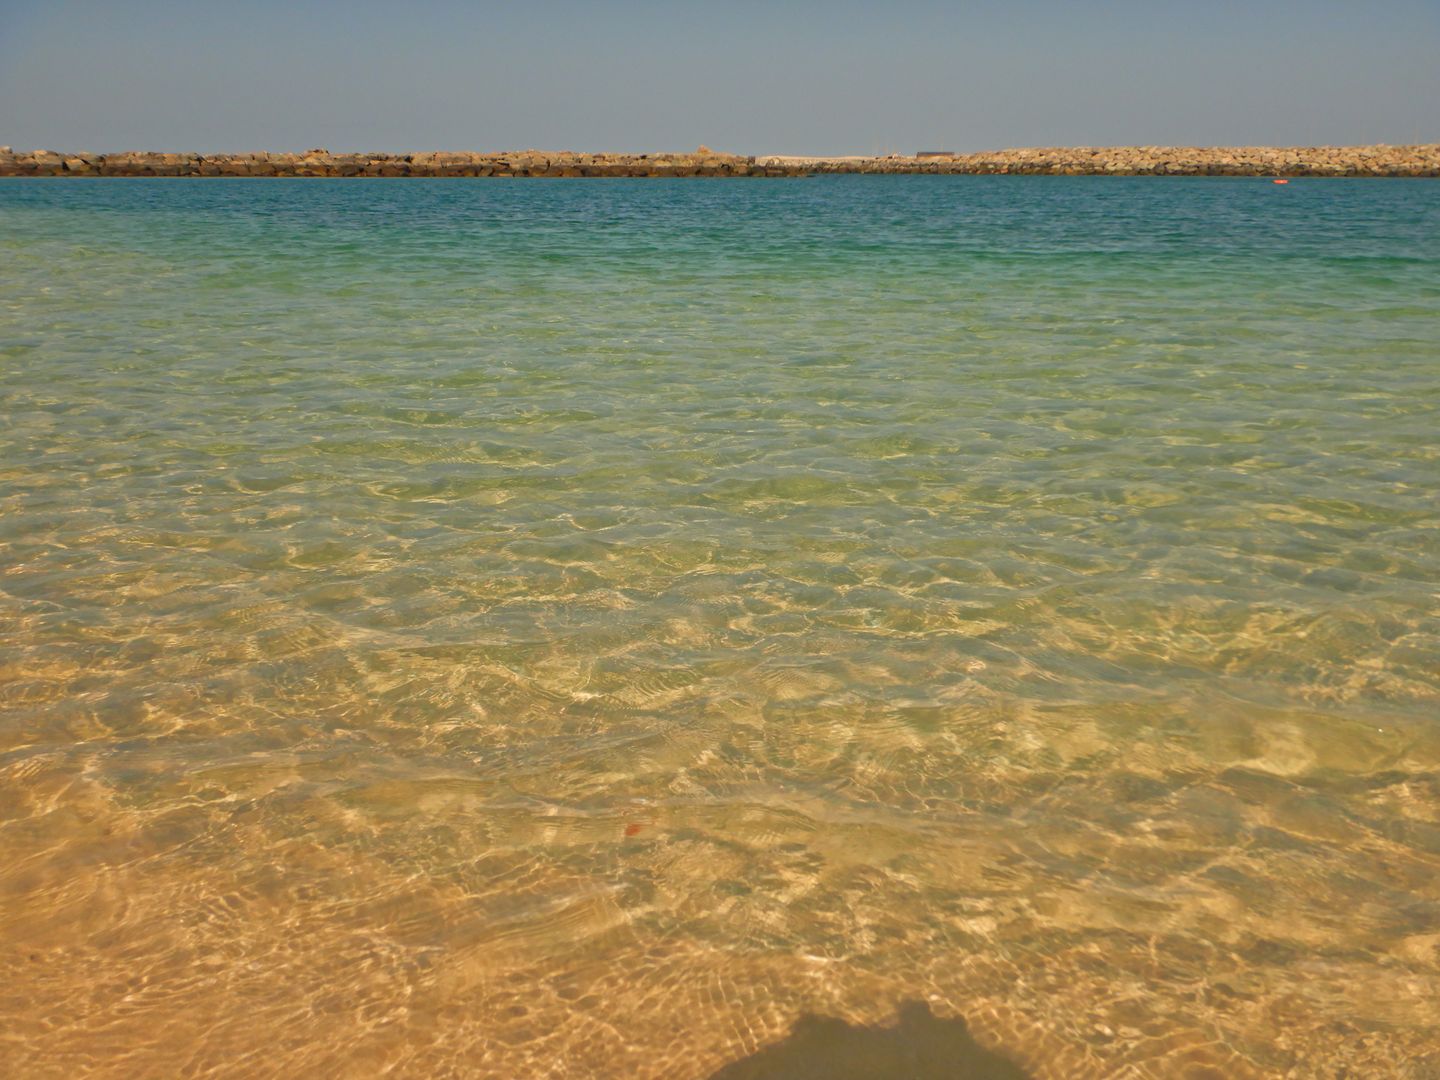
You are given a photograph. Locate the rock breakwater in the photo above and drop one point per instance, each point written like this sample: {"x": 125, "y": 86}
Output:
{"x": 1397, "y": 161}
{"x": 1411, "y": 161}
{"x": 323, "y": 163}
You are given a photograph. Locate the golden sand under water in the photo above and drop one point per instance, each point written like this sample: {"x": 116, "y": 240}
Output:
{"x": 358, "y": 901}
{"x": 455, "y": 632}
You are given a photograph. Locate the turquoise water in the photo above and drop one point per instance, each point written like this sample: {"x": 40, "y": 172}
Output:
{"x": 576, "y": 628}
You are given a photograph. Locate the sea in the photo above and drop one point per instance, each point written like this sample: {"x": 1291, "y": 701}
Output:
{"x": 674, "y": 628}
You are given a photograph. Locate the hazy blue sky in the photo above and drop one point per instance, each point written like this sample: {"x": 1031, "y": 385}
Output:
{"x": 743, "y": 75}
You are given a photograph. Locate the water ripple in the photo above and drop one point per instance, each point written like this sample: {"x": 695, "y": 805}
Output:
{"x": 487, "y": 629}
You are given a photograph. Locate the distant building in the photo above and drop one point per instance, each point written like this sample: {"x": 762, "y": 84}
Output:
{"x": 935, "y": 153}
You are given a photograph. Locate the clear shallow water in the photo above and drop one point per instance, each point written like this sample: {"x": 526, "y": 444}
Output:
{"x": 576, "y": 628}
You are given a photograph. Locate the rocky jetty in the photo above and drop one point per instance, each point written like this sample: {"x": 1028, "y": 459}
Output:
{"x": 1157, "y": 161}
{"x": 1411, "y": 161}
{"x": 319, "y": 162}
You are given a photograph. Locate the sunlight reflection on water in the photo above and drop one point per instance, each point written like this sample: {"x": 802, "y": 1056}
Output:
{"x": 565, "y": 628}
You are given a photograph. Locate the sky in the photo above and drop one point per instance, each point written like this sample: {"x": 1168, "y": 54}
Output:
{"x": 745, "y": 76}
